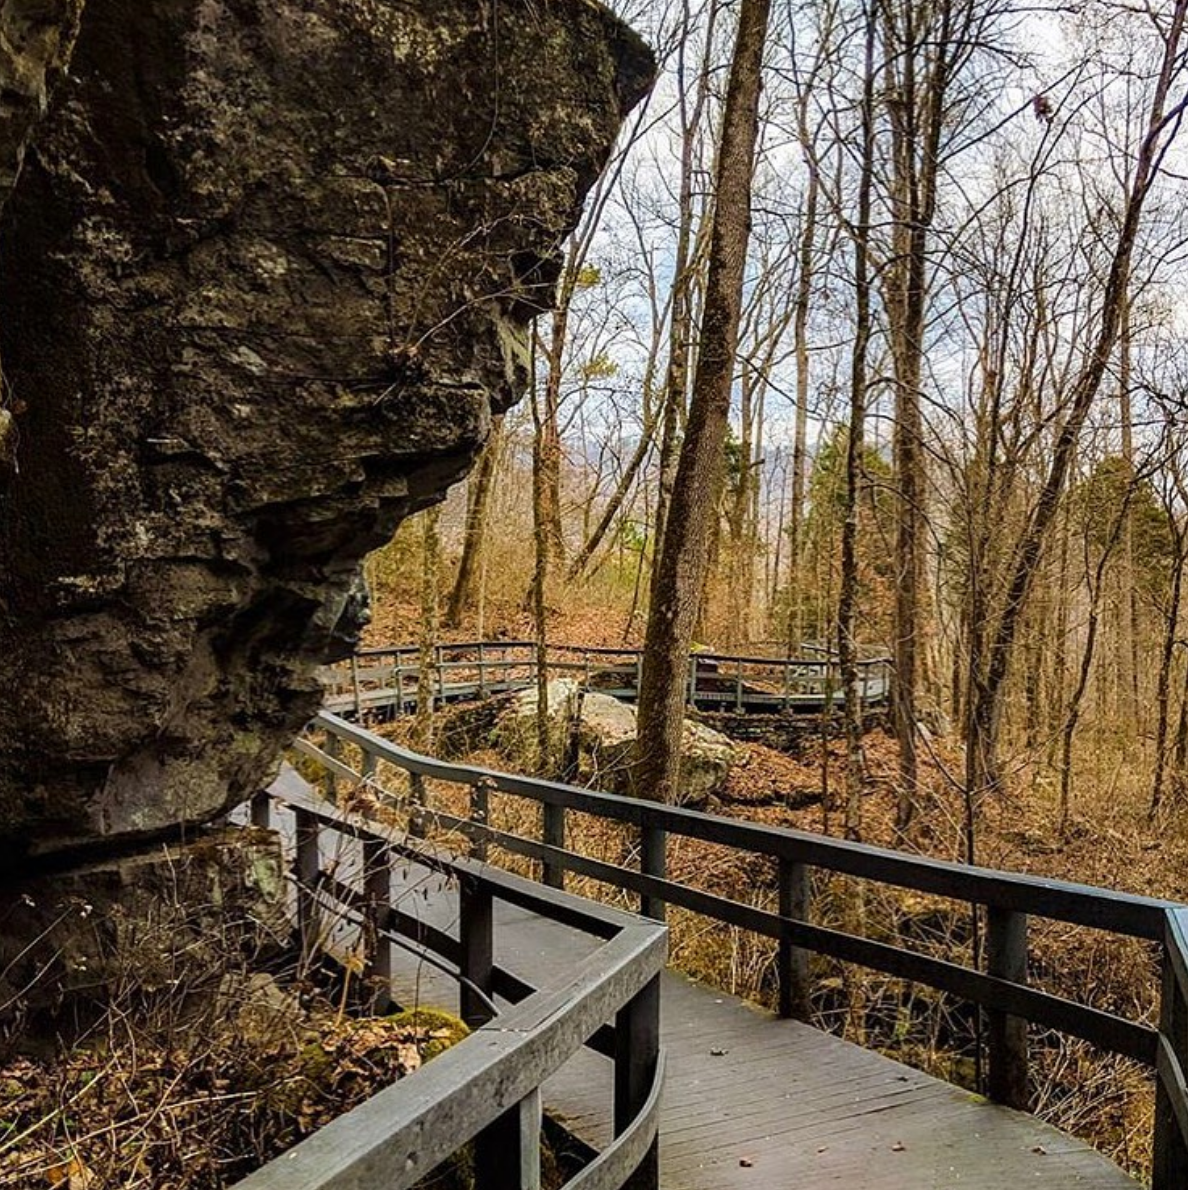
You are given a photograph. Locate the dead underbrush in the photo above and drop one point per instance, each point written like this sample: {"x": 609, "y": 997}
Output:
{"x": 192, "y": 1082}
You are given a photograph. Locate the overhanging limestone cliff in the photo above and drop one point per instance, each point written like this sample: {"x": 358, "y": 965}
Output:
{"x": 263, "y": 279}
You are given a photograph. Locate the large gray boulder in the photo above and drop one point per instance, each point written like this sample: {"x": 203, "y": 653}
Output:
{"x": 265, "y": 276}
{"x": 606, "y": 731}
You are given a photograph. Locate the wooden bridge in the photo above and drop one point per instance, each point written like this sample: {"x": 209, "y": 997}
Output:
{"x": 383, "y": 682}
{"x": 662, "y": 1082}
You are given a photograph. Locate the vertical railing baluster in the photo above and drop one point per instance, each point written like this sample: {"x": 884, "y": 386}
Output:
{"x": 692, "y": 700}
{"x": 480, "y": 814}
{"x": 418, "y": 805}
{"x": 795, "y": 982}
{"x": 653, "y": 861}
{"x": 637, "y": 1050}
{"x": 1006, "y": 958}
{"x": 552, "y": 827}
{"x": 738, "y": 686}
{"x": 482, "y": 668}
{"x": 377, "y": 890}
{"x": 507, "y": 1152}
{"x": 1169, "y": 1166}
{"x": 307, "y": 868}
{"x": 333, "y": 749}
{"x": 355, "y": 686}
{"x": 477, "y": 943}
{"x": 261, "y": 810}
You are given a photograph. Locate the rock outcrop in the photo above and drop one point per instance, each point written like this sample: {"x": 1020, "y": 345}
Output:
{"x": 606, "y": 730}
{"x": 36, "y": 39}
{"x": 264, "y": 278}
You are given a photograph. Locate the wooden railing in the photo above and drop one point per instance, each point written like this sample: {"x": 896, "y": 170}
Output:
{"x": 486, "y": 1089}
{"x": 387, "y": 678}
{"x": 1008, "y": 899}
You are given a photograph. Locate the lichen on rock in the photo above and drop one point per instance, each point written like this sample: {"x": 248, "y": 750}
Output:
{"x": 266, "y": 275}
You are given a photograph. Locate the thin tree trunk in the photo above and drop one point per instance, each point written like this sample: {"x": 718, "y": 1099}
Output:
{"x": 540, "y": 574}
{"x": 847, "y": 611}
{"x": 804, "y": 291}
{"x": 685, "y": 262}
{"x": 427, "y": 671}
{"x": 1097, "y": 582}
{"x": 463, "y": 594}
{"x": 683, "y": 557}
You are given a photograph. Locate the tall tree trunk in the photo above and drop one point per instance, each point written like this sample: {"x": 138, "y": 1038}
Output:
{"x": 540, "y": 575}
{"x": 685, "y": 265}
{"x": 427, "y": 670}
{"x": 847, "y": 610}
{"x": 683, "y": 556}
{"x": 804, "y": 292}
{"x": 474, "y": 541}
{"x": 916, "y": 44}
{"x": 548, "y": 452}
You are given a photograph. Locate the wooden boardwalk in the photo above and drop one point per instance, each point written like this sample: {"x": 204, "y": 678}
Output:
{"x": 763, "y": 1104}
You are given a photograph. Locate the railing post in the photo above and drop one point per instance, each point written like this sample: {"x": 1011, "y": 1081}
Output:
{"x": 795, "y": 981}
{"x": 261, "y": 810}
{"x": 418, "y": 802}
{"x": 1169, "y": 1166}
{"x": 480, "y": 814}
{"x": 377, "y": 889}
{"x": 333, "y": 749}
{"x": 738, "y": 686}
{"x": 553, "y": 834}
{"x": 653, "y": 861}
{"x": 507, "y": 1152}
{"x": 1006, "y": 958}
{"x": 637, "y": 1050}
{"x": 355, "y": 686}
{"x": 477, "y": 941}
{"x": 693, "y": 680}
{"x": 638, "y": 674}
{"x": 367, "y": 772}
{"x": 306, "y": 868}
{"x": 482, "y": 668}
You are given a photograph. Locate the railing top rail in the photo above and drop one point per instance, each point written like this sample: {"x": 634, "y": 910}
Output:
{"x": 611, "y": 651}
{"x": 1079, "y": 904}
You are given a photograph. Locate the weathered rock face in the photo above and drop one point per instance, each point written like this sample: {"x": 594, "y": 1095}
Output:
{"x": 264, "y": 278}
{"x": 607, "y": 730}
{"x": 36, "y": 37}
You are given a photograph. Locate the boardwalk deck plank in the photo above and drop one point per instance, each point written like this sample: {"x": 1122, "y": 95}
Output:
{"x": 786, "y": 1107}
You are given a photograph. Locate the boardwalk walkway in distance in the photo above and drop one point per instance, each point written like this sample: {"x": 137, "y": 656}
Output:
{"x": 756, "y": 1103}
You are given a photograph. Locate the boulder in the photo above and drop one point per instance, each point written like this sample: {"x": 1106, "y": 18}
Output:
{"x": 265, "y": 276}
{"x": 606, "y": 734}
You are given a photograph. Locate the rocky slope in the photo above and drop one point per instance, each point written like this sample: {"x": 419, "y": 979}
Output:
{"x": 266, "y": 275}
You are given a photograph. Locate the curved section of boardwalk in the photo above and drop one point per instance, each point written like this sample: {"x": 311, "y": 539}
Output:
{"x": 764, "y": 1104}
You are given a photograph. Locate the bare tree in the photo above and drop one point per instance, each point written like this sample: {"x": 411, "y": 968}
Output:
{"x": 681, "y": 568}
